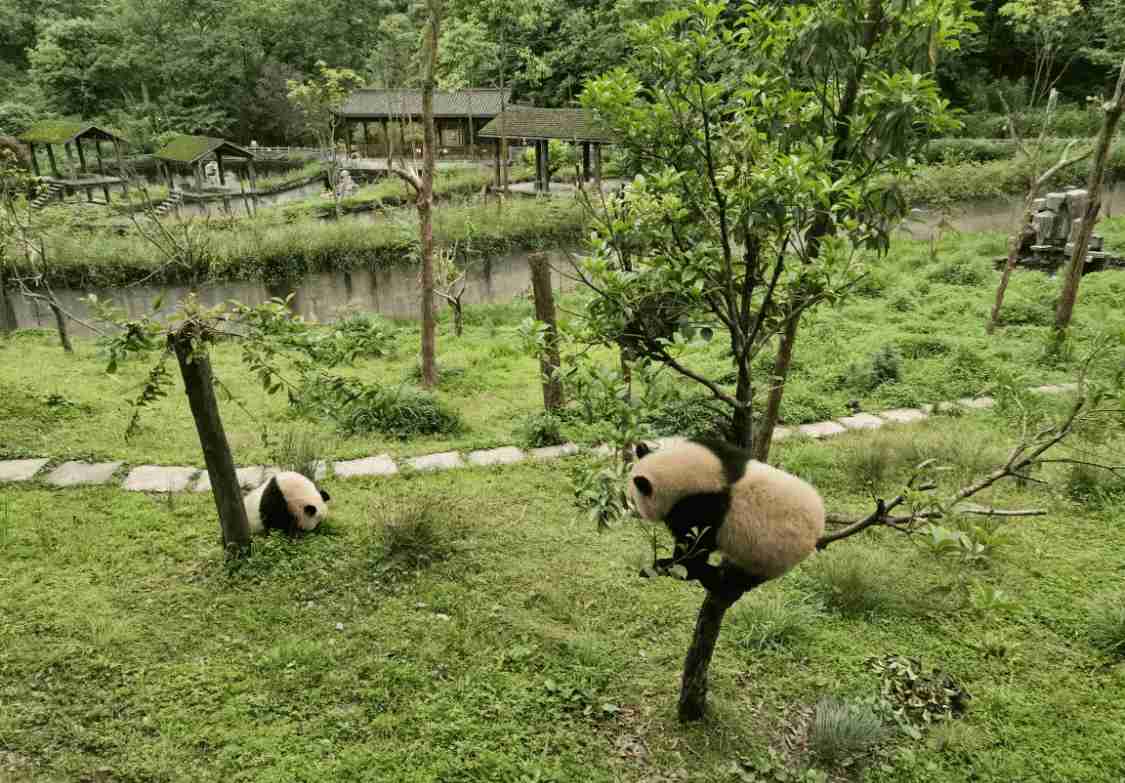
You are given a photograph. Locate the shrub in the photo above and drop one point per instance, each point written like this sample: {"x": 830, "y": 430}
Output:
{"x": 539, "y": 430}
{"x": 854, "y": 581}
{"x": 1094, "y": 486}
{"x": 920, "y": 346}
{"x": 843, "y": 729}
{"x": 771, "y": 622}
{"x": 359, "y": 407}
{"x": 1107, "y": 625}
{"x": 417, "y": 538}
{"x": 885, "y": 365}
{"x": 959, "y": 271}
{"x": 692, "y": 417}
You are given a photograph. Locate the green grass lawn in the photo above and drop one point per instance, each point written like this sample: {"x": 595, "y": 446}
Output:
{"x": 473, "y": 626}
{"x": 912, "y": 333}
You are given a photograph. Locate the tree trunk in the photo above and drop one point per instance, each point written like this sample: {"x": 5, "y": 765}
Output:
{"x": 60, "y": 324}
{"x": 426, "y": 197}
{"x": 549, "y": 361}
{"x": 1015, "y": 242}
{"x": 458, "y": 317}
{"x": 200, "y": 388}
{"x": 742, "y": 422}
{"x": 777, "y": 389}
{"x": 693, "y": 687}
{"x": 1074, "y": 272}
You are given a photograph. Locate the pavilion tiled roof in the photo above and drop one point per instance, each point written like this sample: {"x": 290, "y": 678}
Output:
{"x": 65, "y": 131}
{"x": 371, "y": 103}
{"x": 189, "y": 149}
{"x": 526, "y": 122}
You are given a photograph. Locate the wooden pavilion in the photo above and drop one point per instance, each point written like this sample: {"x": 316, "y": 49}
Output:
{"x": 527, "y": 123}
{"x": 71, "y": 135}
{"x": 191, "y": 152}
{"x": 458, "y": 116}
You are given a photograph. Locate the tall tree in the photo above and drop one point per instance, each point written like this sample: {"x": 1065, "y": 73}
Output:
{"x": 1069, "y": 294}
{"x": 768, "y": 137}
{"x": 320, "y": 99}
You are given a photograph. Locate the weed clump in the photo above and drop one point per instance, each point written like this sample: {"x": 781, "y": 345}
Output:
{"x": 359, "y": 407}
{"x": 1107, "y": 625}
{"x": 843, "y": 729}
{"x": 852, "y": 581}
{"x": 300, "y": 451}
{"x": 772, "y": 623}
{"x": 417, "y": 538}
{"x": 539, "y": 430}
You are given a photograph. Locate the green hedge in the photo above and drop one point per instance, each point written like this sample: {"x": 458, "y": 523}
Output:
{"x": 268, "y": 249}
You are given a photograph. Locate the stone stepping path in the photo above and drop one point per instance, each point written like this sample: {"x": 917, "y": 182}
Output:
{"x": 157, "y": 478}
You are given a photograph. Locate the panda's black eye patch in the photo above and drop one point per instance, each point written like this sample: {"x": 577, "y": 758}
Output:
{"x": 310, "y": 511}
{"x": 324, "y": 496}
{"x": 642, "y": 450}
{"x": 643, "y": 485}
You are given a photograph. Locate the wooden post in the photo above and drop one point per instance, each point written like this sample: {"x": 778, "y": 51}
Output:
{"x": 549, "y": 362}
{"x": 598, "y": 165}
{"x": 198, "y": 176}
{"x": 101, "y": 168}
{"x": 347, "y": 139}
{"x": 69, "y": 152}
{"x": 34, "y": 160}
{"x": 253, "y": 183}
{"x": 222, "y": 171}
{"x": 82, "y": 168}
{"x": 121, "y": 167}
{"x": 538, "y": 168}
{"x": 387, "y": 144}
{"x": 51, "y": 160}
{"x": 546, "y": 166}
{"x": 366, "y": 141}
{"x": 195, "y": 367}
{"x": 499, "y": 184}
{"x": 585, "y": 161}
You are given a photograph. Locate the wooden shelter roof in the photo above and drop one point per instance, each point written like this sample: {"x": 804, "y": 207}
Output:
{"x": 66, "y": 131}
{"x": 376, "y": 104}
{"x": 190, "y": 149}
{"x": 527, "y": 122}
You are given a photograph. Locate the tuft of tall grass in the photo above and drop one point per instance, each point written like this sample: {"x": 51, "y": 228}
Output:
{"x": 417, "y": 538}
{"x": 770, "y": 621}
{"x": 855, "y": 581}
{"x": 1107, "y": 624}
{"x": 843, "y": 729}
{"x": 300, "y": 451}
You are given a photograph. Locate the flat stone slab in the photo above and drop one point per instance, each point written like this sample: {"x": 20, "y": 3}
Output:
{"x": 781, "y": 433}
{"x": 446, "y": 460}
{"x": 70, "y": 473}
{"x": 903, "y": 415}
{"x": 505, "y": 455}
{"x": 20, "y": 469}
{"x": 248, "y": 478}
{"x": 158, "y": 478}
{"x": 381, "y": 465}
{"x": 940, "y": 407}
{"x": 821, "y": 429}
{"x": 861, "y": 421}
{"x": 977, "y": 403}
{"x": 554, "y": 452}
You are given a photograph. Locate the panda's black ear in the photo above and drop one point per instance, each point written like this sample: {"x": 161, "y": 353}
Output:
{"x": 643, "y": 485}
{"x": 325, "y": 496}
{"x": 310, "y": 511}
{"x": 642, "y": 450}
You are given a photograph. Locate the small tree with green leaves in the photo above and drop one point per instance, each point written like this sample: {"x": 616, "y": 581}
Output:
{"x": 767, "y": 140}
{"x": 320, "y": 99}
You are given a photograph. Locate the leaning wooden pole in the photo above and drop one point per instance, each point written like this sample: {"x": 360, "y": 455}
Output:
{"x": 1069, "y": 294}
{"x": 195, "y": 367}
{"x": 549, "y": 362}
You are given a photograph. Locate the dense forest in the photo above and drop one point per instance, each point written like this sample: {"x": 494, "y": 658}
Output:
{"x": 155, "y": 67}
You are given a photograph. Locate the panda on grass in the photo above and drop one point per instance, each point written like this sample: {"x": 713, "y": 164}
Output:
{"x": 714, "y": 497}
{"x": 289, "y": 502}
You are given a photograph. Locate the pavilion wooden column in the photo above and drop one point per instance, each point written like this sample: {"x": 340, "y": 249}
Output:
{"x": 51, "y": 160}
{"x": 347, "y": 138}
{"x": 387, "y": 143}
{"x": 585, "y": 161}
{"x": 598, "y": 165}
{"x": 543, "y": 166}
{"x": 366, "y": 141}
{"x": 82, "y": 168}
{"x": 34, "y": 160}
{"x": 223, "y": 180}
{"x": 121, "y": 167}
{"x": 101, "y": 168}
{"x": 198, "y": 169}
{"x": 499, "y": 184}
{"x": 253, "y": 183}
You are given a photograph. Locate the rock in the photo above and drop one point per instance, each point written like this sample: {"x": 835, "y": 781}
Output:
{"x": 70, "y": 474}
{"x": 381, "y": 465}
{"x": 20, "y": 469}
{"x": 158, "y": 478}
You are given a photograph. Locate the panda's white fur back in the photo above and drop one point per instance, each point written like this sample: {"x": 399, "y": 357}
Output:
{"x": 298, "y": 492}
{"x": 774, "y": 521}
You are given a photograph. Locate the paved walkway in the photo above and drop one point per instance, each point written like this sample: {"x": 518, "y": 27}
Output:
{"x": 160, "y": 478}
